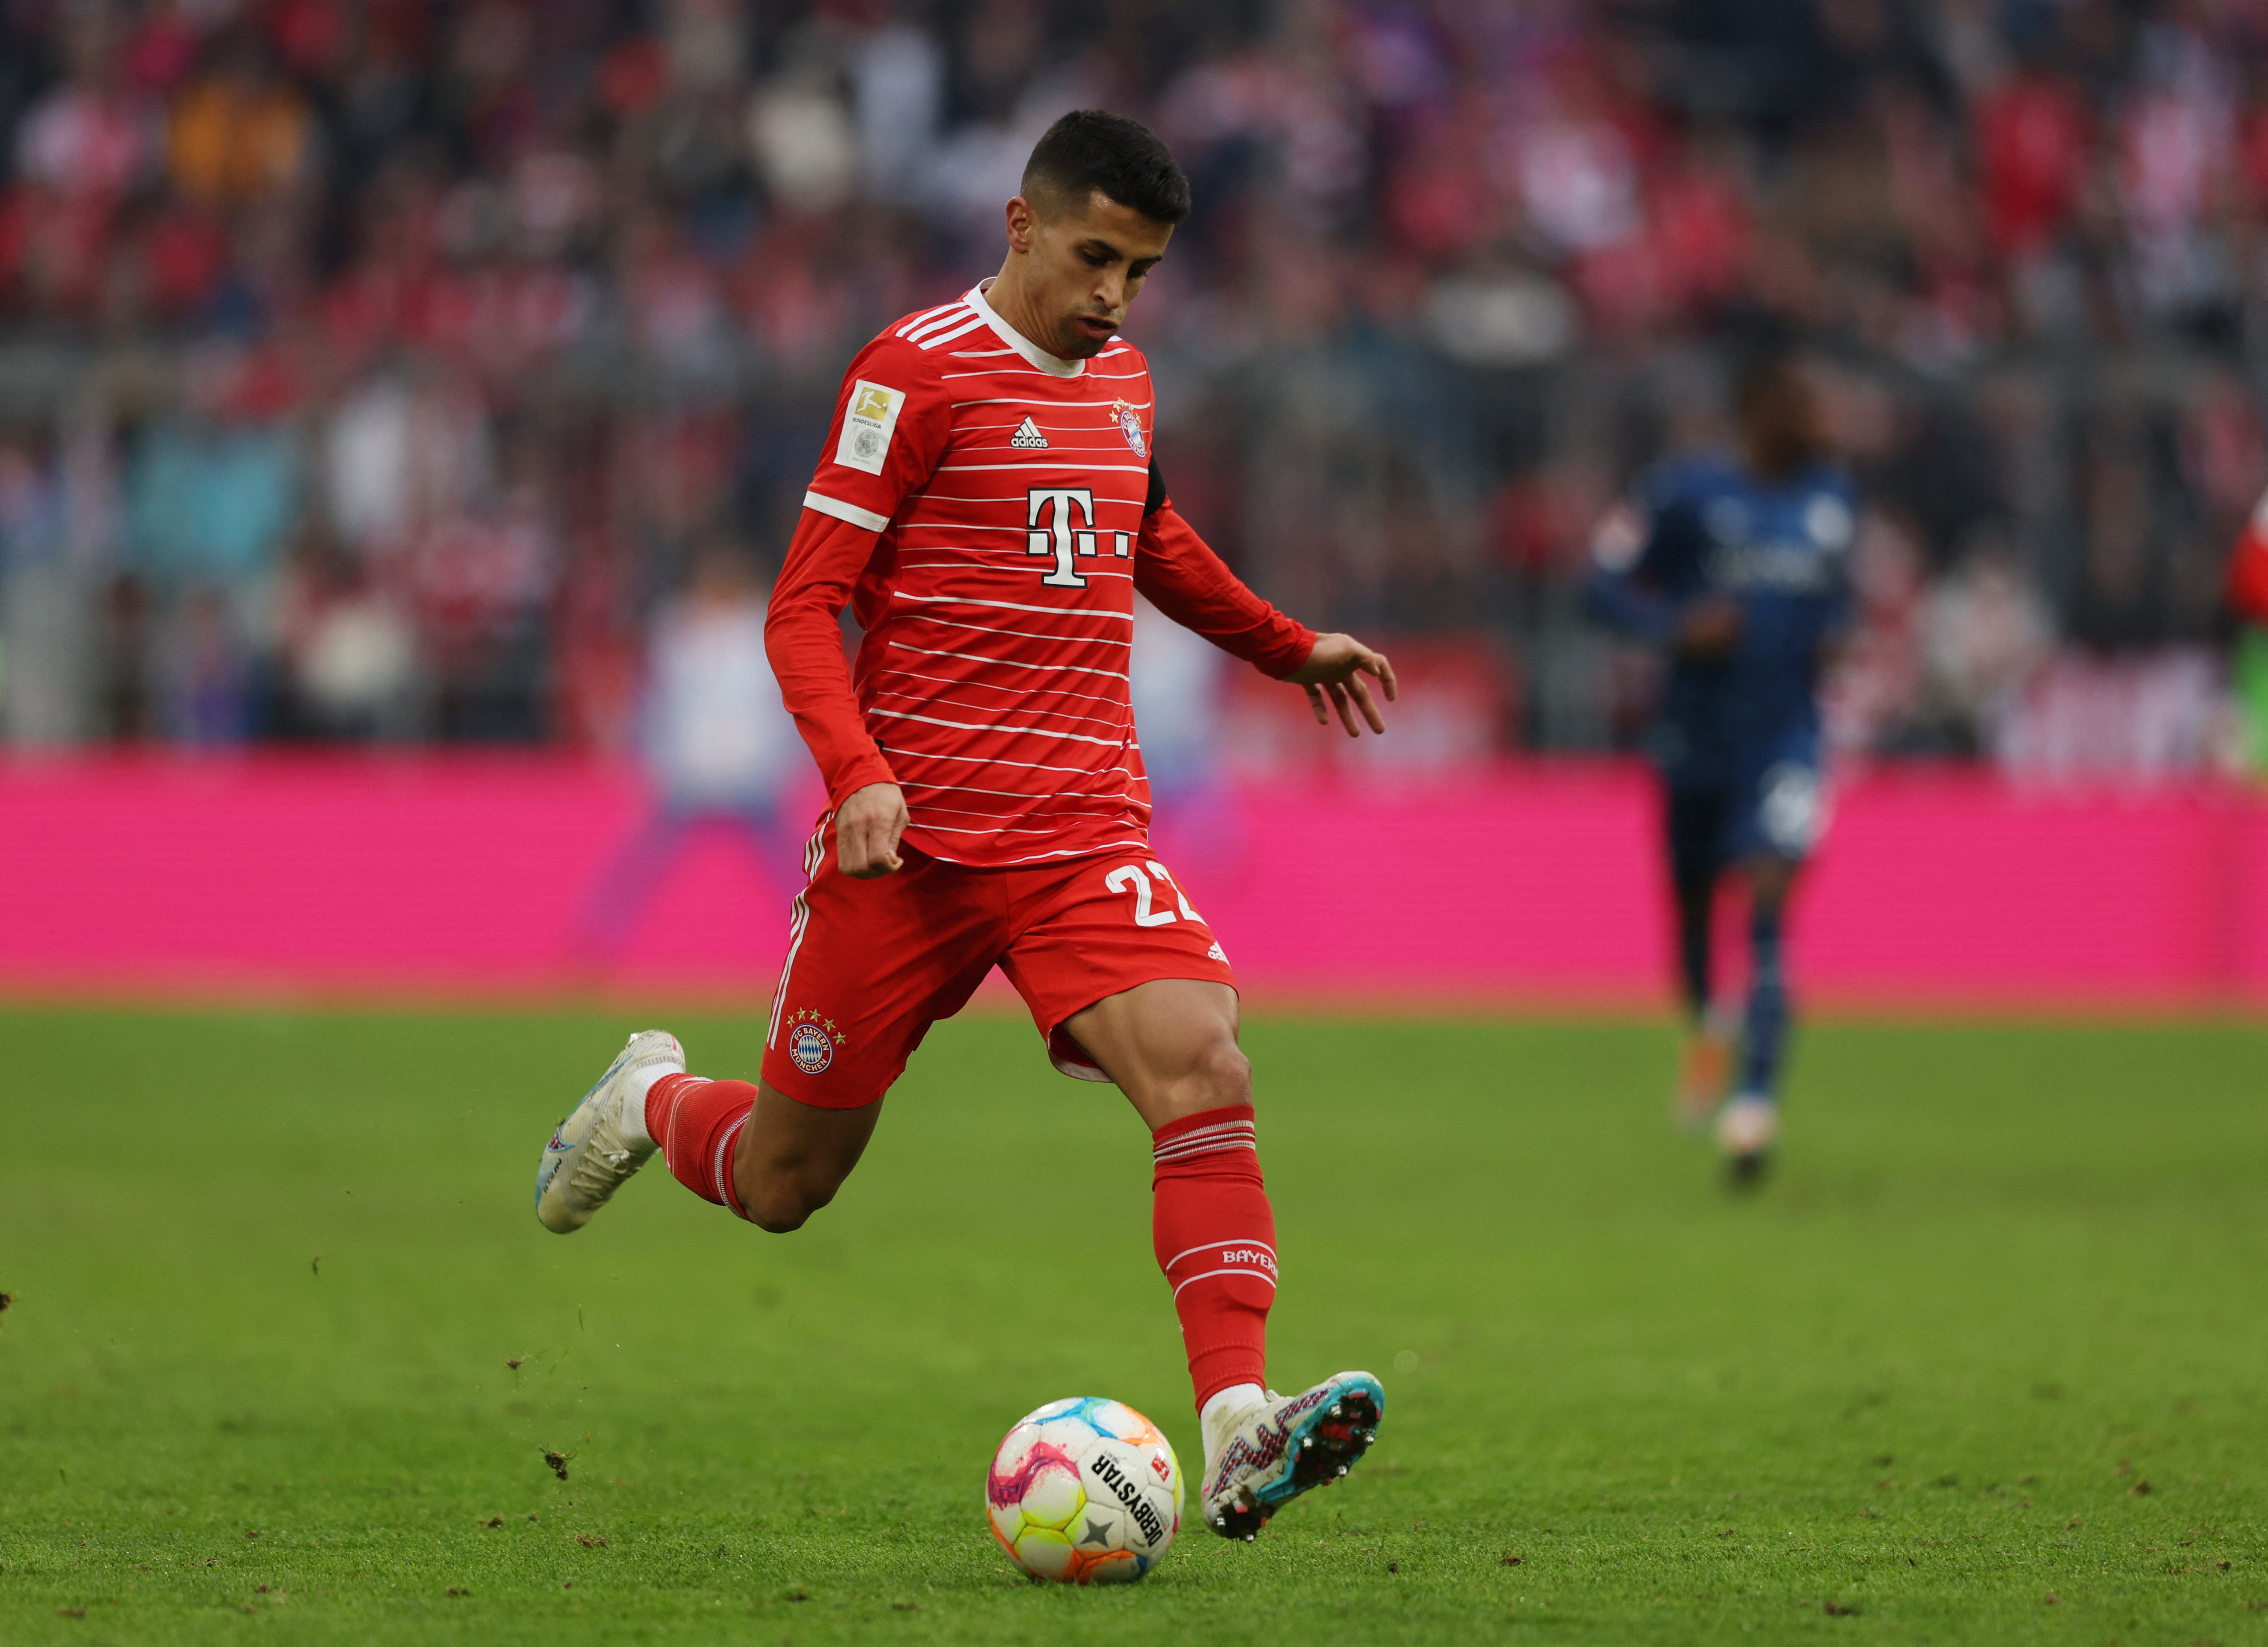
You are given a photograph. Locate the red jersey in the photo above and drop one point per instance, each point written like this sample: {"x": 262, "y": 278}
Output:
{"x": 989, "y": 511}
{"x": 2247, "y": 579}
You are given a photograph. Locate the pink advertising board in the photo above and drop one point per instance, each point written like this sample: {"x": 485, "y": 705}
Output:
{"x": 474, "y": 878}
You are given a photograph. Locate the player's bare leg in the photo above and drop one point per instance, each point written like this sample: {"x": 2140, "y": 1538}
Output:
{"x": 792, "y": 1157}
{"x": 747, "y": 1147}
{"x": 1748, "y": 1125}
{"x": 1170, "y": 1044}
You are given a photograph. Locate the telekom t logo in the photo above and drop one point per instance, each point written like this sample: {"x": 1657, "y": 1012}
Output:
{"x": 1062, "y": 522}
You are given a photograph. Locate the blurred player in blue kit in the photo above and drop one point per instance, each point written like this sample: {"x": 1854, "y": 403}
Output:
{"x": 1737, "y": 568}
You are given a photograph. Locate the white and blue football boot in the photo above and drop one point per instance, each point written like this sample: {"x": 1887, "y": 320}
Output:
{"x": 601, "y": 1142}
{"x": 1261, "y": 1458}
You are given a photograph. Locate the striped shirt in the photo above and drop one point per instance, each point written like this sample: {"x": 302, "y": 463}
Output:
{"x": 987, "y": 511}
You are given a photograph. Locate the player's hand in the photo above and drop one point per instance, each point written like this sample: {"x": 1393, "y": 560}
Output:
{"x": 1334, "y": 672}
{"x": 867, "y": 831}
{"x": 1710, "y": 628}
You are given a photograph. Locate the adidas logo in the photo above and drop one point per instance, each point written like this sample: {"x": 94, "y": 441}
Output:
{"x": 1028, "y": 438}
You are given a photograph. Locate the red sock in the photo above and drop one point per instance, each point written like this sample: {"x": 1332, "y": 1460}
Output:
{"x": 1216, "y": 1241}
{"x": 698, "y": 1123}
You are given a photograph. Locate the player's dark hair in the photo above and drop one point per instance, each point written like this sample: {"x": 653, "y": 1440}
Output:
{"x": 1089, "y": 148}
{"x": 1764, "y": 370}
{"x": 1779, "y": 414}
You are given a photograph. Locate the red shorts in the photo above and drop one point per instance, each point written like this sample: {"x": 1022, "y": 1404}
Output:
{"x": 871, "y": 964}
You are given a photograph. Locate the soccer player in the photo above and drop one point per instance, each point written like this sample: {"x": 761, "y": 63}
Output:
{"x": 987, "y": 503}
{"x": 1738, "y": 569}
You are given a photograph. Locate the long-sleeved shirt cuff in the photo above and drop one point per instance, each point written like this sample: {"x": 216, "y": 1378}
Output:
{"x": 855, "y": 775}
{"x": 1287, "y": 645}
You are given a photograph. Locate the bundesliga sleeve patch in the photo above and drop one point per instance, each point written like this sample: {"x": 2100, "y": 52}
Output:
{"x": 868, "y": 421}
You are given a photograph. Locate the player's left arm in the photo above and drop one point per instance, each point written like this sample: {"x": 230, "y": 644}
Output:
{"x": 1638, "y": 550}
{"x": 1838, "y": 624}
{"x": 1178, "y": 573}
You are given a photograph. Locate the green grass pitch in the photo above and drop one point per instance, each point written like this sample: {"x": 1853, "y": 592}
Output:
{"x": 1984, "y": 1364}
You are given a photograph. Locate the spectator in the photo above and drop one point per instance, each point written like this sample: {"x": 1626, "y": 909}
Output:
{"x": 213, "y": 489}
{"x": 720, "y": 751}
{"x": 239, "y": 134}
{"x": 46, "y": 639}
{"x": 516, "y": 304}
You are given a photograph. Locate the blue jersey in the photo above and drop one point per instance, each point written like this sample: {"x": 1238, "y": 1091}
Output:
{"x": 1705, "y": 528}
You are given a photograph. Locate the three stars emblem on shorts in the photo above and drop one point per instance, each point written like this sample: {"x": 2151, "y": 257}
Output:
{"x": 811, "y": 1040}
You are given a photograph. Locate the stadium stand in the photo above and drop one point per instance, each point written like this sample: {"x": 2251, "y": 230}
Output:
{"x": 375, "y": 369}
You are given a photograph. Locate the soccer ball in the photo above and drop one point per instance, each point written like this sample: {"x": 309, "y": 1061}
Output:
{"x": 1086, "y": 1491}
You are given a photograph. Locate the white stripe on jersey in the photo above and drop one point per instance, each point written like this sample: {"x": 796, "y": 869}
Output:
{"x": 997, "y": 727}
{"x": 943, "y": 552}
{"x": 1004, "y": 828}
{"x": 931, "y": 811}
{"x": 798, "y": 919}
{"x": 928, "y": 496}
{"x": 947, "y": 337}
{"x": 1017, "y": 605}
{"x": 1010, "y": 663}
{"x": 950, "y": 526}
{"x": 1115, "y": 812}
{"x": 1114, "y": 468}
{"x": 902, "y": 754}
{"x": 942, "y": 322}
{"x": 940, "y": 700}
{"x": 1073, "y": 851}
{"x": 1027, "y": 399}
{"x": 1021, "y": 634}
{"x": 1013, "y": 795}
{"x": 947, "y": 700}
{"x": 930, "y": 314}
{"x": 1018, "y": 371}
{"x": 944, "y": 317}
{"x": 823, "y": 504}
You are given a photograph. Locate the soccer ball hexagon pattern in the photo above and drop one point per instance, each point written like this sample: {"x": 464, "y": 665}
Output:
{"x": 1085, "y": 1491}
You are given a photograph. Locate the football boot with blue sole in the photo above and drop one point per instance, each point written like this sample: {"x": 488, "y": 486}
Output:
{"x": 1278, "y": 1449}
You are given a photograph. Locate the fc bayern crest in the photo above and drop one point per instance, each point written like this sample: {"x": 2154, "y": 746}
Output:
{"x": 1131, "y": 426}
{"x": 811, "y": 1042}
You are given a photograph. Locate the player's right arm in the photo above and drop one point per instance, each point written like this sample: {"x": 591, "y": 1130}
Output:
{"x": 1635, "y": 549}
{"x": 1180, "y": 574}
{"x": 889, "y": 433}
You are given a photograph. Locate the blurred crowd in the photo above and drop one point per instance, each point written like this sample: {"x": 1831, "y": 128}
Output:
{"x": 384, "y": 369}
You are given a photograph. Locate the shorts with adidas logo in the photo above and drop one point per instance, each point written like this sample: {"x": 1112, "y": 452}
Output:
{"x": 871, "y": 964}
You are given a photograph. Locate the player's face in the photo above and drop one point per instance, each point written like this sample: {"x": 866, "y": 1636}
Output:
{"x": 1781, "y": 424}
{"x": 1084, "y": 267}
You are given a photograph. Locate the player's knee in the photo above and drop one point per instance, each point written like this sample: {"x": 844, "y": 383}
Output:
{"x": 1222, "y": 1076}
{"x": 782, "y": 1202}
{"x": 777, "y": 1211}
{"x": 779, "y": 1219}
